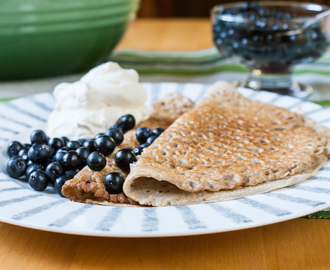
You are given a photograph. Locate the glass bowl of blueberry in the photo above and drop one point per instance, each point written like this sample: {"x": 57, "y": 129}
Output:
{"x": 271, "y": 38}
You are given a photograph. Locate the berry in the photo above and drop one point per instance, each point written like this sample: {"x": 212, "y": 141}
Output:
{"x": 98, "y": 135}
{"x": 96, "y": 161}
{"x": 33, "y": 167}
{"x": 73, "y": 145}
{"x": 16, "y": 167}
{"x": 81, "y": 141}
{"x": 39, "y": 153}
{"x": 124, "y": 158}
{"x": 59, "y": 155}
{"x": 114, "y": 182}
{"x": 138, "y": 150}
{"x": 83, "y": 154}
{"x": 55, "y": 143}
{"x": 151, "y": 139}
{"x": 26, "y": 146}
{"x": 142, "y": 134}
{"x": 69, "y": 174}
{"x": 59, "y": 182}
{"x": 38, "y": 180}
{"x": 104, "y": 144}
{"x": 145, "y": 145}
{"x": 116, "y": 134}
{"x": 89, "y": 144}
{"x": 126, "y": 122}
{"x": 13, "y": 148}
{"x": 38, "y": 136}
{"x": 65, "y": 140}
{"x": 53, "y": 171}
{"x": 71, "y": 160}
{"x": 116, "y": 126}
{"x": 24, "y": 154}
{"x": 157, "y": 131}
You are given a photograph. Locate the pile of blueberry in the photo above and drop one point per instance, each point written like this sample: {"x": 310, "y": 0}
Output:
{"x": 261, "y": 36}
{"x": 52, "y": 161}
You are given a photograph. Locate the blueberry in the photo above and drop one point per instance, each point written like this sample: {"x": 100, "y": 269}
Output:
{"x": 104, "y": 144}
{"x": 59, "y": 182}
{"x": 96, "y": 161}
{"x": 38, "y": 180}
{"x": 98, "y": 135}
{"x": 89, "y": 144}
{"x": 83, "y": 154}
{"x": 124, "y": 158}
{"x": 26, "y": 146}
{"x": 151, "y": 139}
{"x": 126, "y": 122}
{"x": 71, "y": 160}
{"x": 114, "y": 182}
{"x": 65, "y": 140}
{"x": 70, "y": 174}
{"x": 73, "y": 145}
{"x": 145, "y": 145}
{"x": 33, "y": 167}
{"x": 53, "y": 171}
{"x": 59, "y": 155}
{"x": 116, "y": 134}
{"x": 157, "y": 131}
{"x": 138, "y": 150}
{"x": 116, "y": 126}
{"x": 81, "y": 140}
{"x": 24, "y": 154}
{"x": 39, "y": 153}
{"x": 142, "y": 134}
{"x": 16, "y": 167}
{"x": 55, "y": 143}
{"x": 38, "y": 136}
{"x": 13, "y": 148}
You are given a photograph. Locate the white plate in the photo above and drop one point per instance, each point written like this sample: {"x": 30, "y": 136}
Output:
{"x": 21, "y": 205}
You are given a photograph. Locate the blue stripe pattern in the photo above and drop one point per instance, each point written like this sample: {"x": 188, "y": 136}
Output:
{"x": 14, "y": 121}
{"x": 190, "y": 218}
{"x": 298, "y": 103}
{"x": 8, "y": 130}
{"x": 70, "y": 216}
{"x": 180, "y": 88}
{"x": 312, "y": 189}
{"x": 110, "y": 219}
{"x": 20, "y": 199}
{"x": 275, "y": 99}
{"x": 20, "y": 110}
{"x": 228, "y": 213}
{"x": 267, "y": 208}
{"x": 10, "y": 189}
{"x": 39, "y": 104}
{"x": 324, "y": 121}
{"x": 36, "y": 210}
{"x": 295, "y": 199}
{"x": 314, "y": 111}
{"x": 150, "y": 220}
{"x": 254, "y": 94}
{"x": 320, "y": 178}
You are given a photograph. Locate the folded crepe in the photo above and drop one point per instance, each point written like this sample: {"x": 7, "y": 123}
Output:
{"x": 88, "y": 187}
{"x": 227, "y": 147}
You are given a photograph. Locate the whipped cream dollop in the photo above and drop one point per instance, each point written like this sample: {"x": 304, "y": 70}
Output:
{"x": 95, "y": 102}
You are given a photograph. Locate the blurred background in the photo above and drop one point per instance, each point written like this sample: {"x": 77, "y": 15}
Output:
{"x": 187, "y": 8}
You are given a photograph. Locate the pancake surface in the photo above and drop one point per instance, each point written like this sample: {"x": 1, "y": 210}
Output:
{"x": 226, "y": 147}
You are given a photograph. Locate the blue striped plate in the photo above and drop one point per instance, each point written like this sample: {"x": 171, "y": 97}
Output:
{"x": 21, "y": 205}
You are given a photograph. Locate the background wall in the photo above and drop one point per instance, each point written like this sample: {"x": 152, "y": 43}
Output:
{"x": 187, "y": 8}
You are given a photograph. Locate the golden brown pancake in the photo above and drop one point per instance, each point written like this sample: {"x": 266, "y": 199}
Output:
{"x": 227, "y": 147}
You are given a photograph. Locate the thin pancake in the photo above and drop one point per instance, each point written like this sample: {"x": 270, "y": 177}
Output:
{"x": 87, "y": 186}
{"x": 226, "y": 147}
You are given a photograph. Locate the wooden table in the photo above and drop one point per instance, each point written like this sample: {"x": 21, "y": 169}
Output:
{"x": 296, "y": 244}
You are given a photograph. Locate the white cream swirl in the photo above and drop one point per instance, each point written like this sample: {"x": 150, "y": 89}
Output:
{"x": 95, "y": 102}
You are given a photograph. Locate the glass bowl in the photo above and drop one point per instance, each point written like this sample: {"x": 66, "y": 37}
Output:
{"x": 269, "y": 38}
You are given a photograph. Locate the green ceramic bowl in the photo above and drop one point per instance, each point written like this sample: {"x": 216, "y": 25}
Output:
{"x": 67, "y": 40}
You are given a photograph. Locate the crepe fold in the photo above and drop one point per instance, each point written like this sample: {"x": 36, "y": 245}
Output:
{"x": 227, "y": 147}
{"x": 88, "y": 185}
